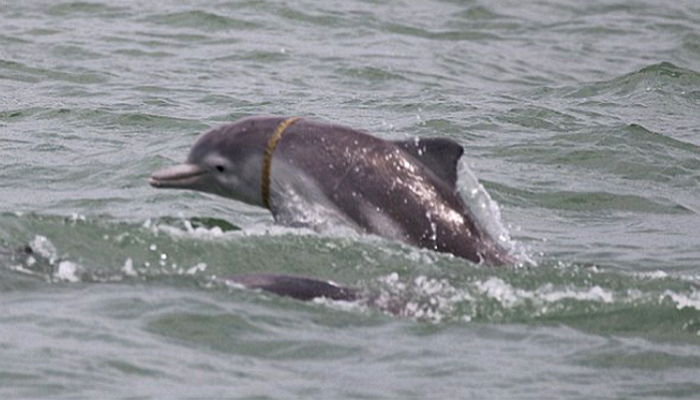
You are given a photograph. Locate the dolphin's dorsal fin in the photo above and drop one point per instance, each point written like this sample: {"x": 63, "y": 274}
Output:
{"x": 440, "y": 155}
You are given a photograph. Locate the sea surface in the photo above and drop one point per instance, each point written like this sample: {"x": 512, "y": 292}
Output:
{"x": 580, "y": 119}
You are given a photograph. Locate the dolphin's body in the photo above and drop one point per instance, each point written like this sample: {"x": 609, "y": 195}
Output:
{"x": 403, "y": 190}
{"x": 297, "y": 287}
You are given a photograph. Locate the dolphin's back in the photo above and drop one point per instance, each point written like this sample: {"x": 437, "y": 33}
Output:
{"x": 392, "y": 189}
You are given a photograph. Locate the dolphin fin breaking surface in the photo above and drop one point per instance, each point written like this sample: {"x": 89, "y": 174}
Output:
{"x": 440, "y": 155}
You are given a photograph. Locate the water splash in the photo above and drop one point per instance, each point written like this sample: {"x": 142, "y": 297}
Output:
{"x": 488, "y": 214}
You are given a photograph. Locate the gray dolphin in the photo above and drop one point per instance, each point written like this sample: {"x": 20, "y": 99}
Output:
{"x": 297, "y": 287}
{"x": 307, "y": 173}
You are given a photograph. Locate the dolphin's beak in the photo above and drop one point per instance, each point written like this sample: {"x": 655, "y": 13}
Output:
{"x": 183, "y": 176}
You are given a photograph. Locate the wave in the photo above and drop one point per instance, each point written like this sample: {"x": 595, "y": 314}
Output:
{"x": 393, "y": 279}
{"x": 198, "y": 19}
{"x": 664, "y": 75}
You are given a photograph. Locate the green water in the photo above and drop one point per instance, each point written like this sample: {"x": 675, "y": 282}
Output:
{"x": 581, "y": 120}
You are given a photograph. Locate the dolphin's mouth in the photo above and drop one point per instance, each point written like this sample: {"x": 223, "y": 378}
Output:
{"x": 178, "y": 176}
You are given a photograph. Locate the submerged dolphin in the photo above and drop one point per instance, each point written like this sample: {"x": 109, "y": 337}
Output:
{"x": 297, "y": 287}
{"x": 307, "y": 173}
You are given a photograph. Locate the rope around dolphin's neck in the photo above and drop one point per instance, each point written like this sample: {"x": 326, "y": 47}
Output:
{"x": 267, "y": 158}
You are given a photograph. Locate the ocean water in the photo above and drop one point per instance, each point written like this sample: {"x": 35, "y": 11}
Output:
{"x": 580, "y": 119}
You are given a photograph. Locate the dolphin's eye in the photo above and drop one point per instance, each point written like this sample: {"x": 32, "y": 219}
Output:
{"x": 219, "y": 168}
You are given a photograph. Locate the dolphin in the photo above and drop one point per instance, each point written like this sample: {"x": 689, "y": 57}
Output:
{"x": 29, "y": 261}
{"x": 310, "y": 173}
{"x": 297, "y": 287}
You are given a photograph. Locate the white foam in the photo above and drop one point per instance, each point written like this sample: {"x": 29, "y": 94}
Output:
{"x": 43, "y": 246}
{"x": 21, "y": 269}
{"x": 188, "y": 231}
{"x": 67, "y": 271}
{"x": 196, "y": 268}
{"x": 658, "y": 274}
{"x": 341, "y": 305}
{"x": 75, "y": 217}
{"x": 201, "y": 231}
{"x": 230, "y": 283}
{"x": 392, "y": 280}
{"x": 595, "y": 293}
{"x": 266, "y": 229}
{"x": 423, "y": 298}
{"x": 501, "y": 291}
{"x": 128, "y": 268}
{"x": 691, "y": 300}
{"x": 508, "y": 296}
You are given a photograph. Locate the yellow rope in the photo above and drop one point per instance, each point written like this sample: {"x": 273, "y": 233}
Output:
{"x": 267, "y": 158}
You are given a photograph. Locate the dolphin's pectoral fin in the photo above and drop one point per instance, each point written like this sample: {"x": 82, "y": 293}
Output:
{"x": 297, "y": 287}
{"x": 440, "y": 155}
